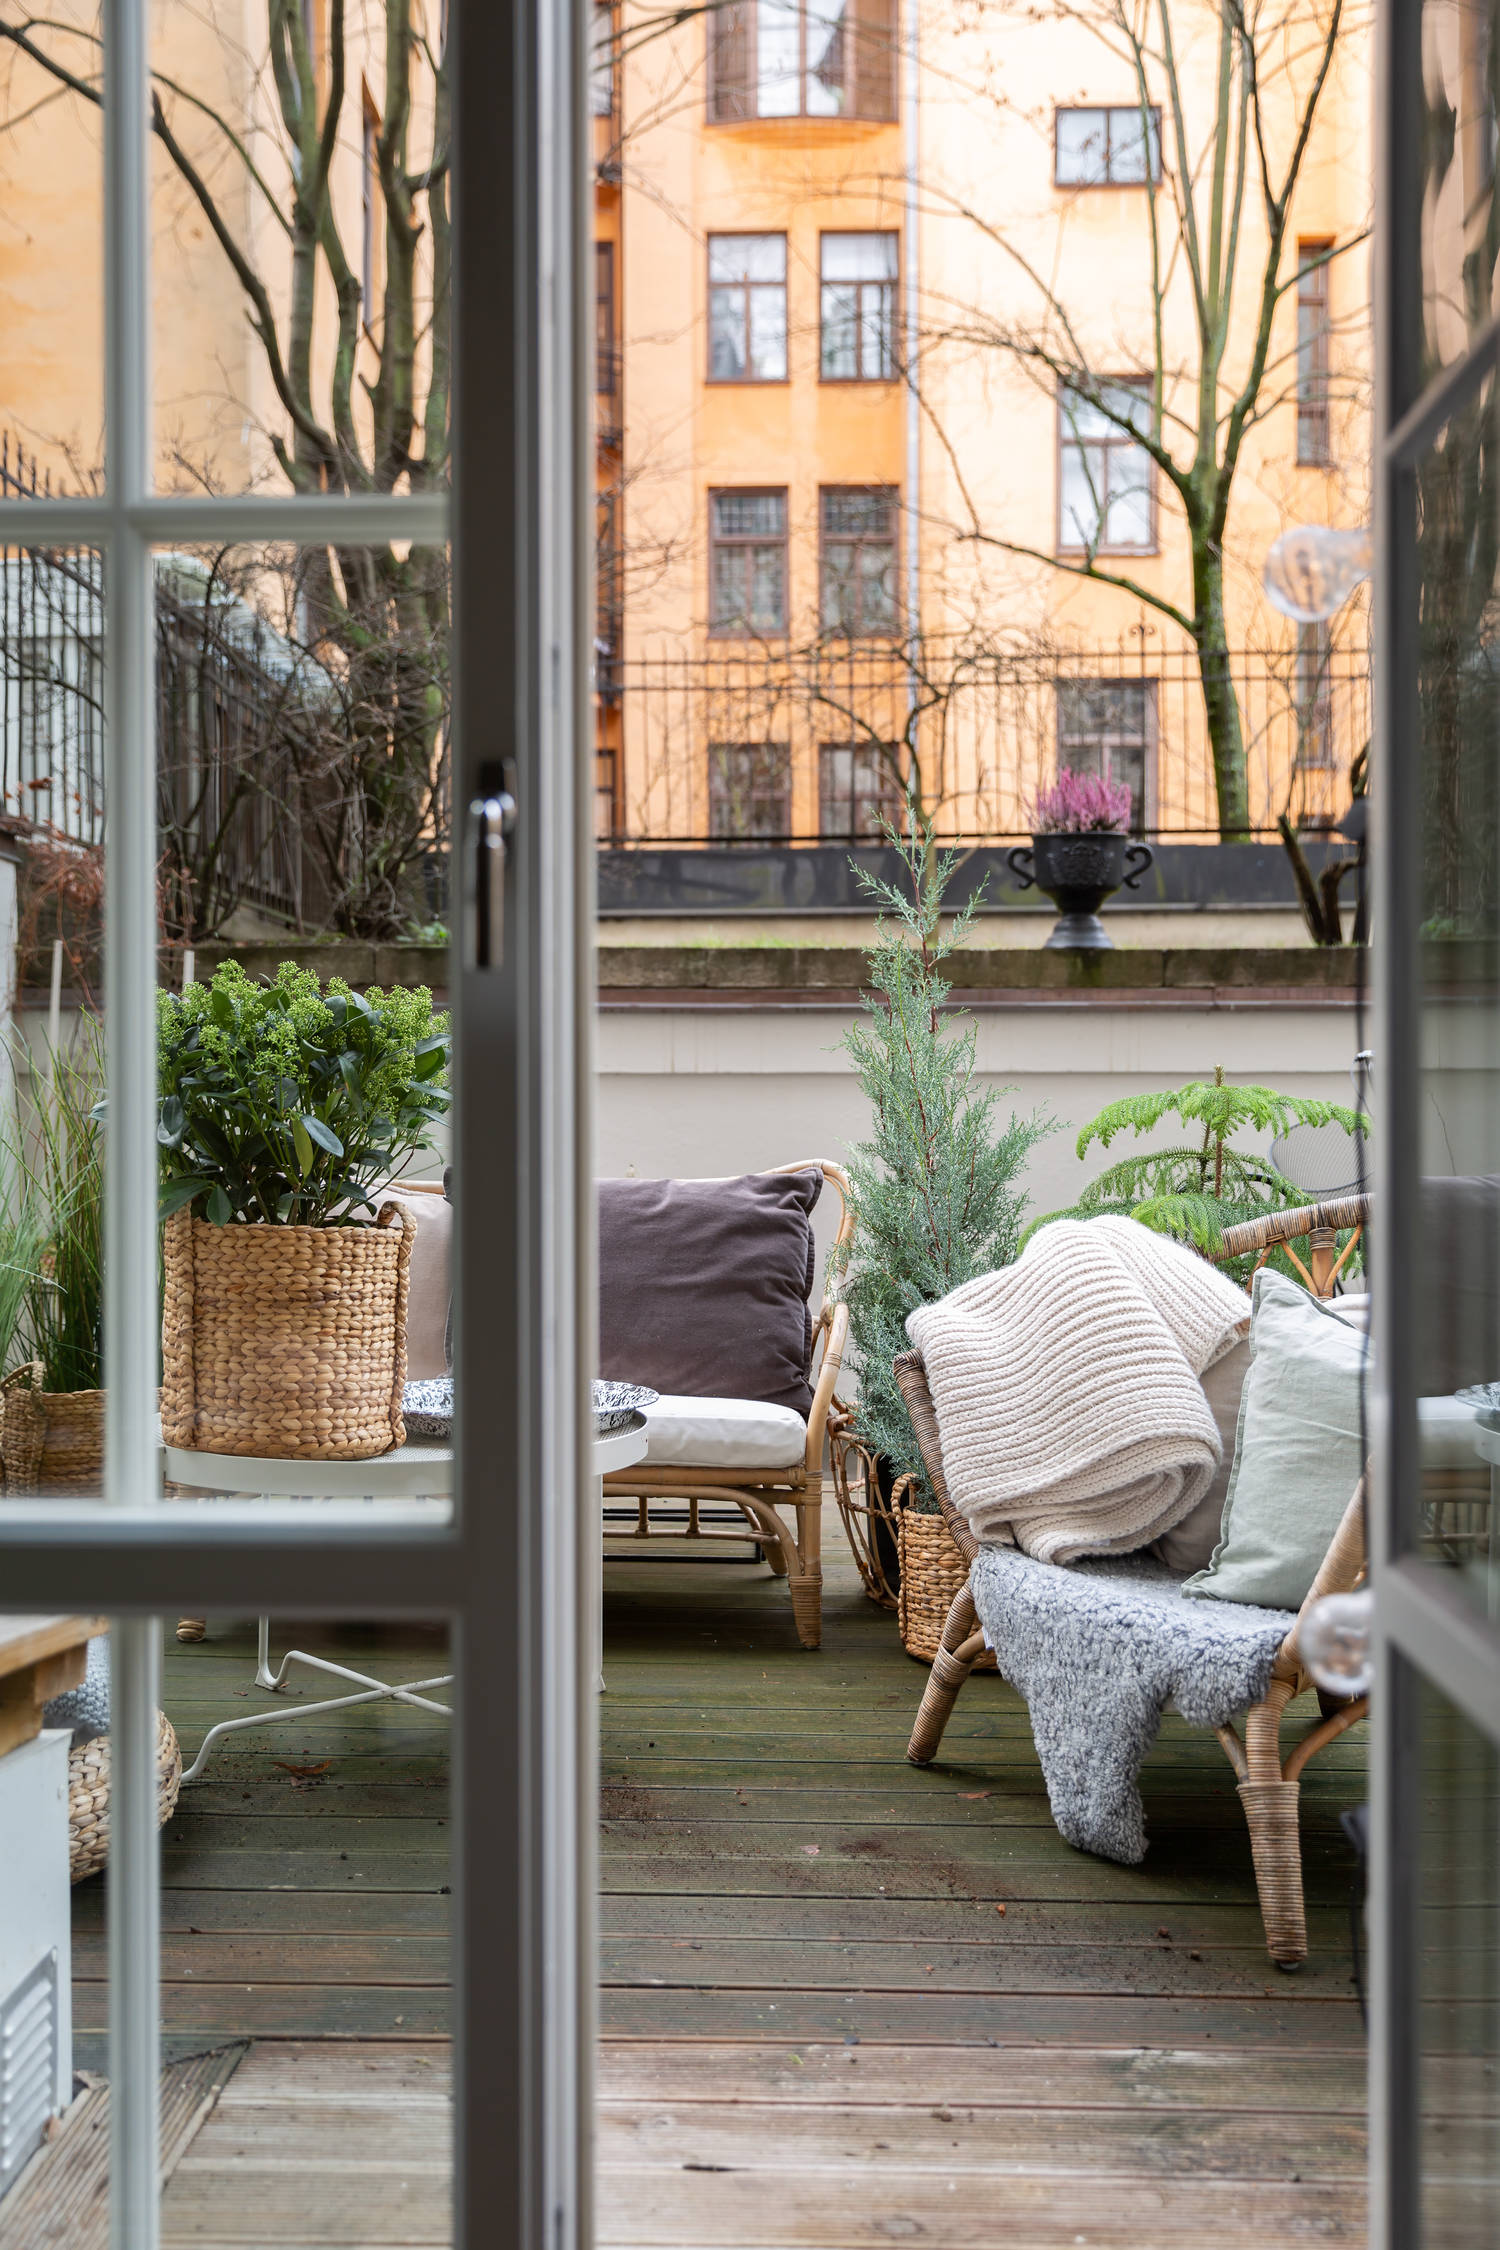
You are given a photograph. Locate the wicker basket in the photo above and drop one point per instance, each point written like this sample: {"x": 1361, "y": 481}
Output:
{"x": 88, "y": 1795}
{"x": 22, "y": 1427}
{"x": 286, "y": 1341}
{"x": 932, "y": 1573}
{"x": 73, "y": 1443}
{"x": 871, "y": 1520}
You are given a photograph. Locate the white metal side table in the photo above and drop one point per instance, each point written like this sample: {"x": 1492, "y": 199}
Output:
{"x": 408, "y": 1479}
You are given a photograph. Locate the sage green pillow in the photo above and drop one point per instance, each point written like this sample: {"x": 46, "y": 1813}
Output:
{"x": 1297, "y": 1456}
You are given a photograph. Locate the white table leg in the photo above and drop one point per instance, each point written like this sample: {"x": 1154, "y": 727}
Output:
{"x": 374, "y": 1691}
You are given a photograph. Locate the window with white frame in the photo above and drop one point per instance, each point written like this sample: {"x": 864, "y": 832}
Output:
{"x": 1118, "y": 147}
{"x": 857, "y": 311}
{"x": 1108, "y": 728}
{"x": 749, "y": 792}
{"x": 747, "y": 308}
{"x": 1106, "y": 491}
{"x": 1312, "y": 354}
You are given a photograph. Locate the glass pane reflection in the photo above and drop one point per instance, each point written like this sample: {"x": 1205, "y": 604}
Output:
{"x": 1460, "y": 214}
{"x": 1458, "y": 1324}
{"x": 1458, "y": 1893}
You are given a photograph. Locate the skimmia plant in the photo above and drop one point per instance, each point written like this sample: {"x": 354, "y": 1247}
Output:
{"x": 286, "y": 1101}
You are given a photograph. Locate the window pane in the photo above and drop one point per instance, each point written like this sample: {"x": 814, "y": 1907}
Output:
{"x": 601, "y": 61}
{"x": 1081, "y": 147}
{"x": 877, "y": 586}
{"x": 726, "y": 334}
{"x": 747, "y": 257}
{"x": 261, "y": 382}
{"x": 1456, "y": 1886}
{"x": 1127, "y": 147}
{"x": 1080, "y": 501}
{"x": 778, "y": 41}
{"x": 1130, "y": 402}
{"x": 857, "y": 789}
{"x": 840, "y": 343}
{"x": 859, "y": 257}
{"x": 1456, "y": 1318}
{"x": 1458, "y": 192}
{"x": 1128, "y": 516}
{"x": 768, "y": 335}
{"x": 749, "y": 792}
{"x": 879, "y": 327}
{"x": 768, "y": 589}
{"x": 826, "y": 58}
{"x": 750, "y": 514}
{"x": 1083, "y": 419}
{"x": 856, "y": 514}
{"x": 52, "y": 194}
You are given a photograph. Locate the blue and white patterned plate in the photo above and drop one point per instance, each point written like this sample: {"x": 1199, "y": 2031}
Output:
{"x": 614, "y": 1403}
{"x": 1485, "y": 1400}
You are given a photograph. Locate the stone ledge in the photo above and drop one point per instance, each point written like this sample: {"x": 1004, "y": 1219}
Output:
{"x": 772, "y": 976}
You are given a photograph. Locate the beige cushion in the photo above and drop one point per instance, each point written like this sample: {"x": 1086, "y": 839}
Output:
{"x": 724, "y": 1433}
{"x": 428, "y": 1282}
{"x": 1190, "y": 1544}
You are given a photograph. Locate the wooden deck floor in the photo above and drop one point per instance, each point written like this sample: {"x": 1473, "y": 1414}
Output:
{"x": 820, "y": 2029}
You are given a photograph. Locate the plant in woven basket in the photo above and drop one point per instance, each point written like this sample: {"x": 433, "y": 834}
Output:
{"x": 286, "y": 1102}
{"x": 935, "y": 1189}
{"x": 1194, "y": 1190}
{"x": 57, "y": 1155}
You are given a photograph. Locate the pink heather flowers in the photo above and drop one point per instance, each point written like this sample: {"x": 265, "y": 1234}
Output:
{"x": 1078, "y": 802}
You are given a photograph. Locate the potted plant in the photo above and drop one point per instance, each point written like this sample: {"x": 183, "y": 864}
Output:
{"x": 1079, "y": 853}
{"x": 936, "y": 1200}
{"x": 53, "y": 1253}
{"x": 283, "y": 1105}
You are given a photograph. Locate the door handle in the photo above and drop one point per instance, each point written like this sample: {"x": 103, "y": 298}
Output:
{"x": 492, "y": 819}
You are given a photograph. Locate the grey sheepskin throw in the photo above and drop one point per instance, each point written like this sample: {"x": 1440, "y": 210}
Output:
{"x": 1097, "y": 1650}
{"x": 1066, "y": 1387}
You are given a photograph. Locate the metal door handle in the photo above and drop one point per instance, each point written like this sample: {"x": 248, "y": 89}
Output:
{"x": 492, "y": 817}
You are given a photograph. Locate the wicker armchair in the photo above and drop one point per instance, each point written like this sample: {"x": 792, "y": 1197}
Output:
{"x": 1269, "y": 1783}
{"x": 793, "y": 1550}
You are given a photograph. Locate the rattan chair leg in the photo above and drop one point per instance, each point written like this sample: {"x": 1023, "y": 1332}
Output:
{"x": 1276, "y": 1848}
{"x": 776, "y": 1556}
{"x": 191, "y": 1628}
{"x": 950, "y": 1668}
{"x": 807, "y": 1606}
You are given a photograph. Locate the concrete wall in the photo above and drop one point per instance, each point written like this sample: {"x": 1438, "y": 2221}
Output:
{"x": 704, "y": 1090}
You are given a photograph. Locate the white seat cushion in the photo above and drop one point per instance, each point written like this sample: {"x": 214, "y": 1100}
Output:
{"x": 1446, "y": 1427}
{"x": 724, "y": 1433}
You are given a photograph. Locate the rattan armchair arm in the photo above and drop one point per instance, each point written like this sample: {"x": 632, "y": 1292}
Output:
{"x": 833, "y": 1326}
{"x": 911, "y": 1380}
{"x": 1340, "y": 1571}
{"x": 1319, "y": 1222}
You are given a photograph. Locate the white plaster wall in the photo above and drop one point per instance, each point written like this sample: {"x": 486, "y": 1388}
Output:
{"x": 700, "y": 1091}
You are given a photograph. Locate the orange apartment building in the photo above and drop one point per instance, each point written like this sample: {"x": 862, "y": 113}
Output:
{"x": 816, "y": 221}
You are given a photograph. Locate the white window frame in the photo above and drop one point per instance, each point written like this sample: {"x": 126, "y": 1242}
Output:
{"x": 515, "y": 1572}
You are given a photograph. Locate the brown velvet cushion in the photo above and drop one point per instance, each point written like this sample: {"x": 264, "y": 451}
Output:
{"x": 703, "y": 1285}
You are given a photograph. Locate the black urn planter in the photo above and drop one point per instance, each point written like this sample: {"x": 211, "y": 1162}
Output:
{"x": 1078, "y": 873}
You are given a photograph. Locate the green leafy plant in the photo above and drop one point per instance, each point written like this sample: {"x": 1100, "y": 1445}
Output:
{"x": 286, "y": 1102}
{"x": 935, "y": 1191}
{"x": 1194, "y": 1191}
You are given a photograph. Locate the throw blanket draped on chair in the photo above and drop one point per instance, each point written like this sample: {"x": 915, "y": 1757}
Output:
{"x": 1066, "y": 1388}
{"x": 1098, "y": 1651}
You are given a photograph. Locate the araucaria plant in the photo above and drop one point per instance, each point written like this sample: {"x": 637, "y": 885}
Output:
{"x": 1195, "y": 1190}
{"x": 1080, "y": 803}
{"x": 935, "y": 1190}
{"x": 287, "y": 1102}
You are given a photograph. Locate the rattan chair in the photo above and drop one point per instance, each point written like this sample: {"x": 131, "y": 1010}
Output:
{"x": 1268, "y": 1782}
{"x": 762, "y": 1497}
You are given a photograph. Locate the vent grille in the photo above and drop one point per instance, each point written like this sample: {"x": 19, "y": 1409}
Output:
{"x": 28, "y": 2065}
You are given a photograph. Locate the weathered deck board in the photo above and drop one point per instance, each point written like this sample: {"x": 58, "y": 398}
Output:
{"x": 819, "y": 2031}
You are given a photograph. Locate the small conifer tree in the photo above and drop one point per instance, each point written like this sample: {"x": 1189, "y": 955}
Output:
{"x": 935, "y": 1191}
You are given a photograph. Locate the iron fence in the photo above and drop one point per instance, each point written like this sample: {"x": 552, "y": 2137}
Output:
{"x": 231, "y": 698}
{"x": 754, "y": 744}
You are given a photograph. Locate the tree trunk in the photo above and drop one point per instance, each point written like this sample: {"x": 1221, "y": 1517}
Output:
{"x": 1220, "y": 703}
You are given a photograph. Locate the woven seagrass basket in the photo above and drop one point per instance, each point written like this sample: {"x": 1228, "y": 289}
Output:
{"x": 73, "y": 1437}
{"x": 23, "y": 1427}
{"x": 88, "y": 1796}
{"x": 285, "y": 1341}
{"x": 932, "y": 1573}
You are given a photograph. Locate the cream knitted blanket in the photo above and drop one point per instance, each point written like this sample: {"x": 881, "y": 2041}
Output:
{"x": 1066, "y": 1387}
